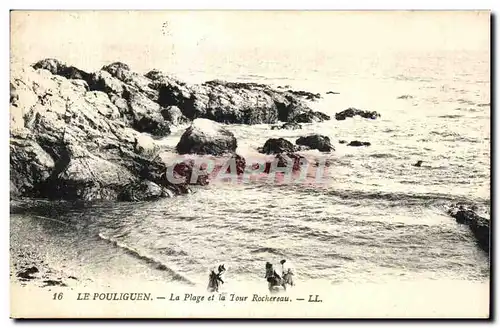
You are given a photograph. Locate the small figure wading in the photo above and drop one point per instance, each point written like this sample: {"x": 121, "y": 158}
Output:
{"x": 273, "y": 278}
{"x": 215, "y": 278}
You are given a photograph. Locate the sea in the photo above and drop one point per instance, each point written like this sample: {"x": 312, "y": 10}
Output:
{"x": 374, "y": 217}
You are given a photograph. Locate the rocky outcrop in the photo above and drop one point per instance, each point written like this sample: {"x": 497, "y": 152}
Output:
{"x": 351, "y": 112}
{"x": 80, "y": 135}
{"x": 277, "y": 146}
{"x": 206, "y": 137}
{"x": 287, "y": 126}
{"x": 478, "y": 225}
{"x": 332, "y": 93}
{"x": 71, "y": 143}
{"x": 230, "y": 102}
{"x": 356, "y": 143}
{"x": 316, "y": 141}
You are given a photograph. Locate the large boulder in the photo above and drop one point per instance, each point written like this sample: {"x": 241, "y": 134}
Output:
{"x": 316, "y": 141}
{"x": 206, "y": 137}
{"x": 277, "y": 146}
{"x": 479, "y": 226}
{"x": 351, "y": 112}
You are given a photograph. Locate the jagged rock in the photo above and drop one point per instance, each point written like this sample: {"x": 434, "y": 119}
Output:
{"x": 357, "y": 143}
{"x": 351, "y": 112}
{"x": 316, "y": 141}
{"x": 206, "y": 137}
{"x": 310, "y": 117}
{"x": 119, "y": 70}
{"x": 287, "y": 126}
{"x": 57, "y": 67}
{"x": 277, "y": 146}
{"x": 342, "y": 141}
{"x": 479, "y": 226}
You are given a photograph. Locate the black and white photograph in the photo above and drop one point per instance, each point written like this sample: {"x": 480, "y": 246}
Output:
{"x": 250, "y": 164}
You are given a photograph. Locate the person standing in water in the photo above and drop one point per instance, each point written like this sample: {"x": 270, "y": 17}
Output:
{"x": 215, "y": 278}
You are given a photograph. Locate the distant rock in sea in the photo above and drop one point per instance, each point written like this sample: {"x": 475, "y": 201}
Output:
{"x": 357, "y": 143}
{"x": 405, "y": 97}
{"x": 351, "y": 112}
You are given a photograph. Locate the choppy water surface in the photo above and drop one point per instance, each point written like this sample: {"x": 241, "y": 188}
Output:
{"x": 375, "y": 217}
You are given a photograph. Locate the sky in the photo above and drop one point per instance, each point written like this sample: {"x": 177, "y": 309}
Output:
{"x": 163, "y": 39}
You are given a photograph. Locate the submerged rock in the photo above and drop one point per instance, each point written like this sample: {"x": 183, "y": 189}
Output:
{"x": 206, "y": 137}
{"x": 316, "y": 141}
{"x": 277, "y": 146}
{"x": 479, "y": 226}
{"x": 143, "y": 191}
{"x": 283, "y": 160}
{"x": 418, "y": 163}
{"x": 357, "y": 143}
{"x": 351, "y": 112}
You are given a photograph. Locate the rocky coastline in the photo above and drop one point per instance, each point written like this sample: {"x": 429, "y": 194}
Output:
{"x": 77, "y": 135}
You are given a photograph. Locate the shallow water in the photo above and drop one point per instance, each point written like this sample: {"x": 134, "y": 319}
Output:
{"x": 373, "y": 218}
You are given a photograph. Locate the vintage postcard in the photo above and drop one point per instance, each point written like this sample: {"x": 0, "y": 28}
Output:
{"x": 250, "y": 164}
